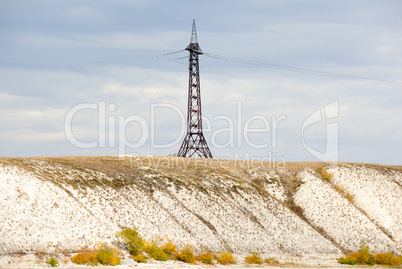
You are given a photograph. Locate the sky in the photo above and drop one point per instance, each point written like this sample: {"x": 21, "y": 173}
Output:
{"x": 280, "y": 80}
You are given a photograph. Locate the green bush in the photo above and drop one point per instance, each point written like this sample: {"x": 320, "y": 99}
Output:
{"x": 132, "y": 239}
{"x": 254, "y": 258}
{"x": 271, "y": 260}
{"x": 388, "y": 259}
{"x": 363, "y": 256}
{"x": 207, "y": 258}
{"x": 226, "y": 257}
{"x": 86, "y": 256}
{"x": 169, "y": 248}
{"x": 103, "y": 255}
{"x": 107, "y": 256}
{"x": 155, "y": 252}
{"x": 52, "y": 262}
{"x": 140, "y": 258}
{"x": 186, "y": 254}
{"x": 347, "y": 260}
{"x": 364, "y": 248}
{"x": 137, "y": 245}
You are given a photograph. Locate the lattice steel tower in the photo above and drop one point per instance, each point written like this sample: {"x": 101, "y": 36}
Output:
{"x": 194, "y": 142}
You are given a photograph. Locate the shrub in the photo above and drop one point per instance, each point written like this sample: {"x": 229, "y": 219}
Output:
{"x": 85, "y": 256}
{"x": 207, "y": 258}
{"x": 363, "y": 256}
{"x": 186, "y": 254}
{"x": 254, "y": 258}
{"x": 388, "y": 259}
{"x": 103, "y": 255}
{"x": 52, "y": 262}
{"x": 271, "y": 260}
{"x": 155, "y": 252}
{"x": 215, "y": 256}
{"x": 364, "y": 248}
{"x": 226, "y": 257}
{"x": 169, "y": 248}
{"x": 81, "y": 258}
{"x": 132, "y": 239}
{"x": 347, "y": 260}
{"x": 107, "y": 256}
{"x": 140, "y": 258}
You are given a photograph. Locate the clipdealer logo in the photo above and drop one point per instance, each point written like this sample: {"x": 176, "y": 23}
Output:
{"x": 239, "y": 131}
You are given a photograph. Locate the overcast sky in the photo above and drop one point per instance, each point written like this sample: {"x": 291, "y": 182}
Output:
{"x": 274, "y": 61}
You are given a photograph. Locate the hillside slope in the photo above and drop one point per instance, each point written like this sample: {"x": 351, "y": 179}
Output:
{"x": 61, "y": 204}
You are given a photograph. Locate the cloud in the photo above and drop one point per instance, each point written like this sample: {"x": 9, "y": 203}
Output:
{"x": 55, "y": 57}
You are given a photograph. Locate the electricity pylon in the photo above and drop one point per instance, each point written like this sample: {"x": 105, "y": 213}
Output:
{"x": 194, "y": 143}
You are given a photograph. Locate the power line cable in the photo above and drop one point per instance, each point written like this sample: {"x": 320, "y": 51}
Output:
{"x": 232, "y": 59}
{"x": 301, "y": 70}
{"x": 207, "y": 65}
{"x": 95, "y": 65}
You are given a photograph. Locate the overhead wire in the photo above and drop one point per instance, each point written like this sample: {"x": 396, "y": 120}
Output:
{"x": 201, "y": 60}
{"x": 206, "y": 65}
{"x": 94, "y": 66}
{"x": 232, "y": 59}
{"x": 177, "y": 60}
{"x": 301, "y": 70}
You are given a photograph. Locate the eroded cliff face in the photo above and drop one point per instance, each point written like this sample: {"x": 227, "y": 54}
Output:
{"x": 57, "y": 204}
